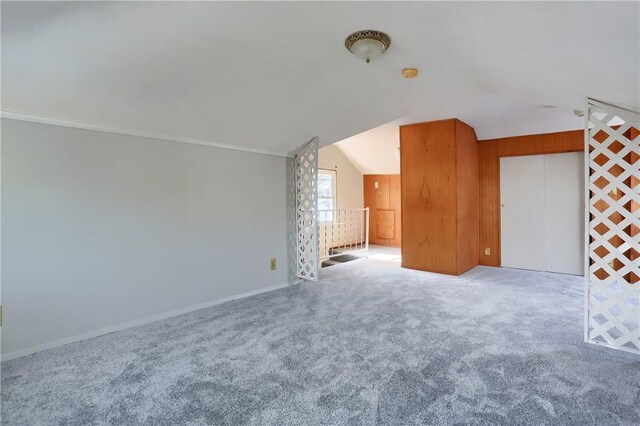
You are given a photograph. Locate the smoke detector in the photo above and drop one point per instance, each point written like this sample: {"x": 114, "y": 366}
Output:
{"x": 410, "y": 72}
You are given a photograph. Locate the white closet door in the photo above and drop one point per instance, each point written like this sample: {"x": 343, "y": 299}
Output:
{"x": 564, "y": 213}
{"x": 522, "y": 212}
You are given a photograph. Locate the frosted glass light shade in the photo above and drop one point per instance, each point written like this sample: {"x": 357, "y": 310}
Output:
{"x": 367, "y": 44}
{"x": 367, "y": 49}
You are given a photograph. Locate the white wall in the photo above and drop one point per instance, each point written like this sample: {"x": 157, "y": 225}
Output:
{"x": 101, "y": 229}
{"x": 349, "y": 189}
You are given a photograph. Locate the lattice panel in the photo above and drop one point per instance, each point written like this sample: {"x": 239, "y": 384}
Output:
{"x": 306, "y": 173}
{"x": 612, "y": 304}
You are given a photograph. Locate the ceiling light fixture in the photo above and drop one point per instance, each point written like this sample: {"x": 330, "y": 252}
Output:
{"x": 367, "y": 44}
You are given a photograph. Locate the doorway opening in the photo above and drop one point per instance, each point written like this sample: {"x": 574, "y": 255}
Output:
{"x": 359, "y": 203}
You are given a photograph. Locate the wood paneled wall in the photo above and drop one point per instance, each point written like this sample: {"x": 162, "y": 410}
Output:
{"x": 385, "y": 215}
{"x": 438, "y": 162}
{"x": 467, "y": 197}
{"x": 490, "y": 152}
{"x": 438, "y": 176}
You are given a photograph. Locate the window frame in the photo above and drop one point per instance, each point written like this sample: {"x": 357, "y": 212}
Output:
{"x": 334, "y": 191}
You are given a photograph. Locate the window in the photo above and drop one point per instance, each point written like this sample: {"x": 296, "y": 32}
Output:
{"x": 326, "y": 194}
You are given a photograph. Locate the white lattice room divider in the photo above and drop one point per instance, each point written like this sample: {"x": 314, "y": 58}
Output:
{"x": 306, "y": 181}
{"x": 612, "y": 276}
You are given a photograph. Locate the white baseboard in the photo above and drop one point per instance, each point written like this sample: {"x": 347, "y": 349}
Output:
{"x": 95, "y": 333}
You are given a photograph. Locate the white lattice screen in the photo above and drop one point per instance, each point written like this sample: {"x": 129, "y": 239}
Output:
{"x": 306, "y": 181}
{"x": 612, "y": 294}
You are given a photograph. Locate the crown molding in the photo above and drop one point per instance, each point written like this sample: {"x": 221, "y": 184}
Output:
{"x": 126, "y": 132}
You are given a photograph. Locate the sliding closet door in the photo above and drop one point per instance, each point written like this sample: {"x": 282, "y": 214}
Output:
{"x": 564, "y": 212}
{"x": 522, "y": 212}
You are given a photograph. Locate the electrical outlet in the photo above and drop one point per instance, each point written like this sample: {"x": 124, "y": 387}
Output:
{"x": 487, "y": 251}
{"x": 273, "y": 264}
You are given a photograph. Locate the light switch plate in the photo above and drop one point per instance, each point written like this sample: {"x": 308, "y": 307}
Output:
{"x": 273, "y": 264}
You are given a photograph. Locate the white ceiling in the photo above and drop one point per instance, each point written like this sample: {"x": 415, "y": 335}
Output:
{"x": 268, "y": 76}
{"x": 374, "y": 152}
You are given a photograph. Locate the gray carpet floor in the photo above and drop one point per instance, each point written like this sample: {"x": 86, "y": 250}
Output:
{"x": 368, "y": 344}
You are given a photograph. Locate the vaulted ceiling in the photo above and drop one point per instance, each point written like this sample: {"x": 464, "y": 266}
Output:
{"x": 374, "y": 152}
{"x": 268, "y": 76}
